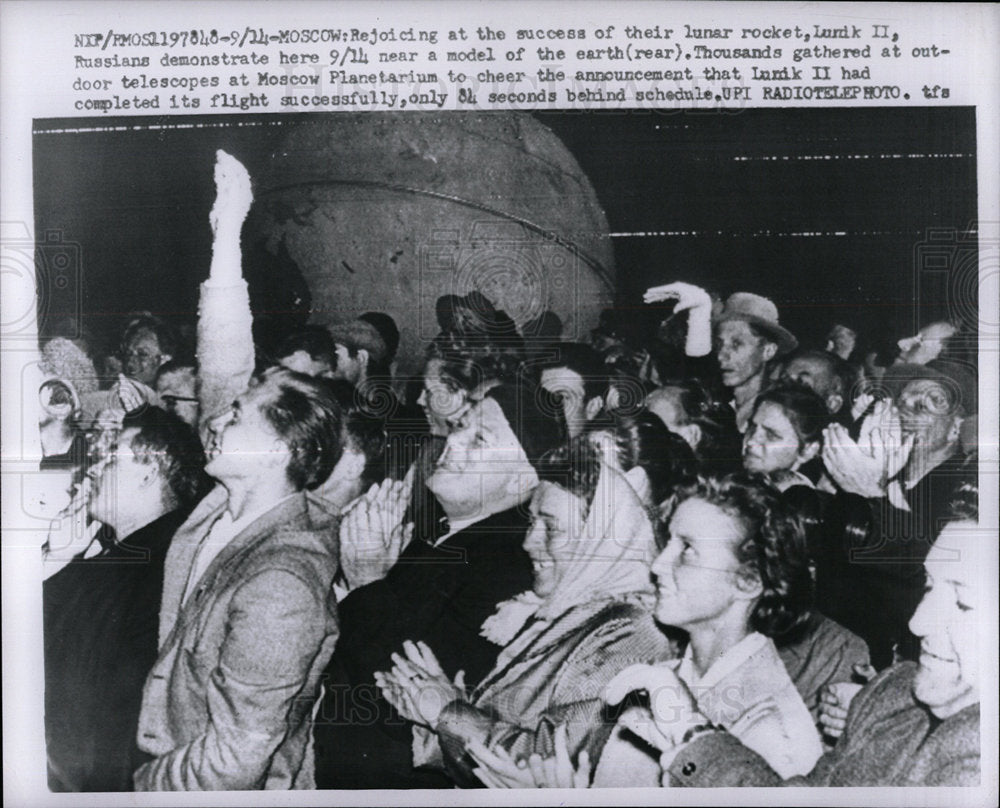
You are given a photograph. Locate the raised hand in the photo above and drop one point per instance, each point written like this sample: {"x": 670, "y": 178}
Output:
{"x": 498, "y": 769}
{"x": 133, "y": 394}
{"x": 233, "y": 197}
{"x": 689, "y": 298}
{"x": 687, "y": 295}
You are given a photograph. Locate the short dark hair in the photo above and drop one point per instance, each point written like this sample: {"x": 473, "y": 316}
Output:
{"x": 173, "y": 445}
{"x": 308, "y": 419}
{"x": 805, "y": 410}
{"x": 387, "y": 329}
{"x": 773, "y": 548}
{"x": 585, "y": 361}
{"x": 469, "y": 360}
{"x": 720, "y": 449}
{"x": 367, "y": 434}
{"x": 166, "y": 335}
{"x": 315, "y": 340}
{"x": 576, "y": 466}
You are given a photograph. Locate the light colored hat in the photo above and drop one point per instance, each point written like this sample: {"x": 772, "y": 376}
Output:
{"x": 759, "y": 312}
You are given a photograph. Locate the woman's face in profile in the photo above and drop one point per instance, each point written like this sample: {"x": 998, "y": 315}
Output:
{"x": 696, "y": 574}
{"x": 771, "y": 443}
{"x": 557, "y": 518}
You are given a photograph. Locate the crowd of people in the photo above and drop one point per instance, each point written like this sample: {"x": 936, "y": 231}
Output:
{"x": 699, "y": 554}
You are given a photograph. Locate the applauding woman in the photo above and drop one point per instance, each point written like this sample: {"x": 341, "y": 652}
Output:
{"x": 587, "y": 617}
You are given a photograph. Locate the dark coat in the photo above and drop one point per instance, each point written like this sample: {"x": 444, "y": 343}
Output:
{"x": 440, "y": 595}
{"x": 100, "y": 623}
{"x": 890, "y": 740}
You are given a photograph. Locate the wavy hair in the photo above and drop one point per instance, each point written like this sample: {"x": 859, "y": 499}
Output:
{"x": 773, "y": 549}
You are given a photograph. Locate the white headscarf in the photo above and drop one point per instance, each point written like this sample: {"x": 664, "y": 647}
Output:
{"x": 610, "y": 557}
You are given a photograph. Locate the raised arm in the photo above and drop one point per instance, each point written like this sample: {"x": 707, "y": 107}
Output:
{"x": 225, "y": 337}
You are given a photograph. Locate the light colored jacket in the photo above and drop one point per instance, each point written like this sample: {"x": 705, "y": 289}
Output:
{"x": 228, "y": 703}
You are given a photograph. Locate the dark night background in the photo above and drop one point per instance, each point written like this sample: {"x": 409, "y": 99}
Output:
{"x": 827, "y": 211}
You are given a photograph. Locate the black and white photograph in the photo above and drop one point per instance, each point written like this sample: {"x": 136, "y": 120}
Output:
{"x": 529, "y": 448}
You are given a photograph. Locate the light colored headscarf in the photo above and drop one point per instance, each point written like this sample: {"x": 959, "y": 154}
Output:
{"x": 609, "y": 558}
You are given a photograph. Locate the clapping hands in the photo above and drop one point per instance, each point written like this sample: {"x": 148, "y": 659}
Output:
{"x": 496, "y": 768}
{"x": 417, "y": 686}
{"x": 372, "y": 533}
{"x": 70, "y": 535}
{"x": 865, "y": 466}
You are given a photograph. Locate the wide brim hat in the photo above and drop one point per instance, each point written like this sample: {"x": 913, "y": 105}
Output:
{"x": 759, "y": 312}
{"x": 959, "y": 379}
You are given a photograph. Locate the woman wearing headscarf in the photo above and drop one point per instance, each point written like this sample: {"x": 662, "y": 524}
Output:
{"x": 587, "y": 617}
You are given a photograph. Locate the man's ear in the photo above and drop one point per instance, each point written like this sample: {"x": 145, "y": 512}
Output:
{"x": 834, "y": 403}
{"x": 280, "y": 453}
{"x": 363, "y": 357}
{"x": 594, "y": 405}
{"x": 691, "y": 433}
{"x": 164, "y": 358}
{"x": 809, "y": 451}
{"x": 770, "y": 351}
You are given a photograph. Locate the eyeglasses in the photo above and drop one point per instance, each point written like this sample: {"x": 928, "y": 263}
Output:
{"x": 143, "y": 356}
{"x": 171, "y": 400}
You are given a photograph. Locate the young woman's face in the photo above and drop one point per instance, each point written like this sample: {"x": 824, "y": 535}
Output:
{"x": 557, "y": 516}
{"x": 771, "y": 443}
{"x": 696, "y": 574}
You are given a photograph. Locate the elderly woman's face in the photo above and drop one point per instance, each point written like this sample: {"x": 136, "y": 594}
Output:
{"x": 483, "y": 468}
{"x": 696, "y": 574}
{"x": 771, "y": 443}
{"x": 557, "y": 517}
